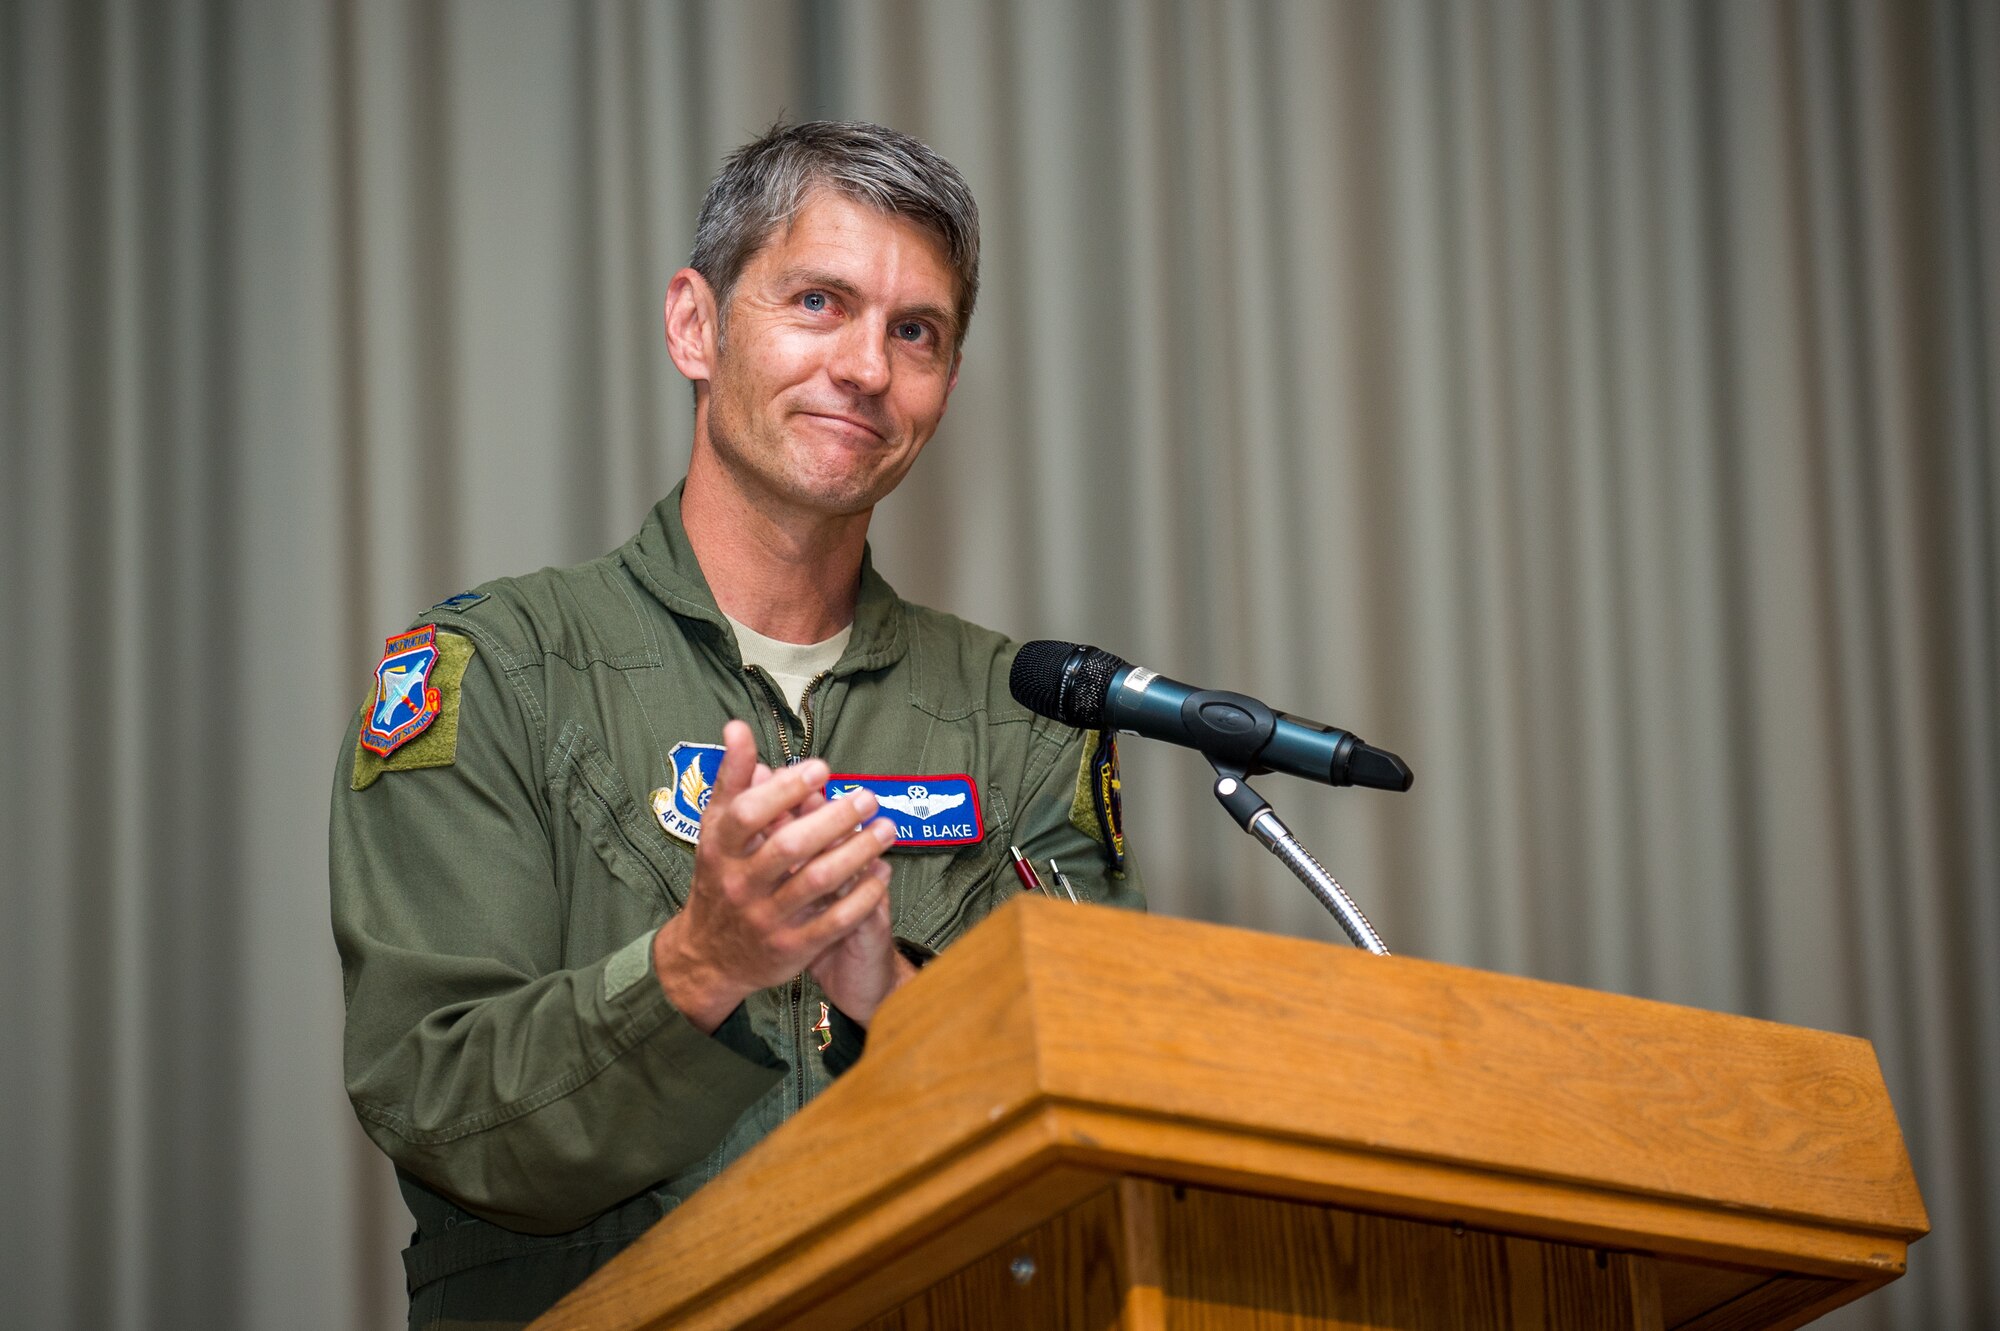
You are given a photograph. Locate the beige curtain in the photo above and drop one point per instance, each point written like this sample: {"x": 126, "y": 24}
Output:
{"x": 1595, "y": 402}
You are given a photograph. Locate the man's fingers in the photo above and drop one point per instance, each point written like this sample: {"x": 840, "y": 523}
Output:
{"x": 842, "y": 915}
{"x": 822, "y": 874}
{"x": 739, "y": 760}
{"x": 799, "y": 842}
{"x": 877, "y": 868}
{"x": 752, "y": 810}
{"x": 805, "y": 835}
{"x": 786, "y": 788}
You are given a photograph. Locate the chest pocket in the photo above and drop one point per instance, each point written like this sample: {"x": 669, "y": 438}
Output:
{"x": 623, "y": 875}
{"x": 941, "y": 895}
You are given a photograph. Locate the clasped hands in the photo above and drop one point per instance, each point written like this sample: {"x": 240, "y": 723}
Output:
{"x": 784, "y": 881}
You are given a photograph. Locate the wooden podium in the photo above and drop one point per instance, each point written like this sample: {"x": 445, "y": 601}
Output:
{"x": 1084, "y": 1118}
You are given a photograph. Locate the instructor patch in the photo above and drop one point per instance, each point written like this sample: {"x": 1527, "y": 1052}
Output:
{"x": 435, "y": 742}
{"x": 680, "y": 803}
{"x": 927, "y": 810}
{"x": 1097, "y": 809}
{"x": 405, "y": 701}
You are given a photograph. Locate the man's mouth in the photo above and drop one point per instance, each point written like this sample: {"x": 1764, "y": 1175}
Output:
{"x": 853, "y": 422}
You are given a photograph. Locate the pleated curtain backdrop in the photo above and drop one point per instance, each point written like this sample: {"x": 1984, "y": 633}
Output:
{"x": 1595, "y": 403}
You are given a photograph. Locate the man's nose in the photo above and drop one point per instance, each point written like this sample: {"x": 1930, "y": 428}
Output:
{"x": 862, "y": 358}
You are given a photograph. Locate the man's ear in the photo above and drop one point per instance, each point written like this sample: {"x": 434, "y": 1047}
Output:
{"x": 694, "y": 328}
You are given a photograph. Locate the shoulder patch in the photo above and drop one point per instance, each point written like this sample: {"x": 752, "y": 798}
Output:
{"x": 434, "y": 743}
{"x": 405, "y": 701}
{"x": 1097, "y": 808}
{"x": 680, "y": 803}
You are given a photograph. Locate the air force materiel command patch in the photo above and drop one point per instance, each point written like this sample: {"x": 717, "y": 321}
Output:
{"x": 681, "y": 803}
{"x": 927, "y": 810}
{"x": 405, "y": 701}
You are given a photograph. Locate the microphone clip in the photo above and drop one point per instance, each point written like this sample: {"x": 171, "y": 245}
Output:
{"x": 1229, "y": 728}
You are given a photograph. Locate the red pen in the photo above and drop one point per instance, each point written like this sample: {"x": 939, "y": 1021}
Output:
{"x": 1025, "y": 871}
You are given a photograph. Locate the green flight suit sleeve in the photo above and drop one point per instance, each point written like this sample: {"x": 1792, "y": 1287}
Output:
{"x": 533, "y": 1093}
{"x": 1048, "y": 830}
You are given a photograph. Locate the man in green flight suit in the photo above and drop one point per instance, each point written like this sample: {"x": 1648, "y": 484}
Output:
{"x": 625, "y": 856}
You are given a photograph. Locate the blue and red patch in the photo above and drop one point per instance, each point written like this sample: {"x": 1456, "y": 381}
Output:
{"x": 680, "y": 803}
{"x": 405, "y": 702}
{"x": 927, "y": 810}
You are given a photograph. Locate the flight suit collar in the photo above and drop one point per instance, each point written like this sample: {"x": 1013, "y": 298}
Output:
{"x": 663, "y": 561}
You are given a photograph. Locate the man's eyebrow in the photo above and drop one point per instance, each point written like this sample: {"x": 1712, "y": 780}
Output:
{"x": 938, "y": 315}
{"x": 812, "y": 277}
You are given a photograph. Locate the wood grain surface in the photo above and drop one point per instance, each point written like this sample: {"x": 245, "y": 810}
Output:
{"x": 1437, "y": 1062}
{"x": 1237, "y": 1262}
{"x": 1054, "y": 1050}
{"x": 1065, "y": 1272}
{"x": 1201, "y": 1260}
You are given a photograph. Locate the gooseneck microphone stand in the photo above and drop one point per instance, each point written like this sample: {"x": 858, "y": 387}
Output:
{"x": 1090, "y": 688}
{"x": 1253, "y": 813}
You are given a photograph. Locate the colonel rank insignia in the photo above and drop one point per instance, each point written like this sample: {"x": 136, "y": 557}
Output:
{"x": 680, "y": 804}
{"x": 405, "y": 701}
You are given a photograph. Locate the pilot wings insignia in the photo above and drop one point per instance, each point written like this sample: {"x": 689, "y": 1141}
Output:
{"x": 918, "y": 802}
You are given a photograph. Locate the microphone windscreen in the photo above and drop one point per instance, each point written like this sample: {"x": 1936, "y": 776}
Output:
{"x": 1064, "y": 680}
{"x": 1036, "y": 679}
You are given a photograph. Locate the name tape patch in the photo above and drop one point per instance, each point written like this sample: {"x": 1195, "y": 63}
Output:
{"x": 927, "y": 810}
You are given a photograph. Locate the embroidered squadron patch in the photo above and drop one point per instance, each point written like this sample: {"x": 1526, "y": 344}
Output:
{"x": 680, "y": 804}
{"x": 437, "y": 746}
{"x": 927, "y": 810}
{"x": 1097, "y": 809}
{"x": 405, "y": 702}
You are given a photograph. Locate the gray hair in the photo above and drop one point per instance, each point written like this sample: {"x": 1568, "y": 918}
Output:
{"x": 763, "y": 185}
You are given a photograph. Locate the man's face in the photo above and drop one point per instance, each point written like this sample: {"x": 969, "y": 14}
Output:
{"x": 837, "y": 354}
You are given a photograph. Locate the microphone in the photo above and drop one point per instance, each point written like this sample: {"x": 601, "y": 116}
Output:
{"x": 1094, "y": 690}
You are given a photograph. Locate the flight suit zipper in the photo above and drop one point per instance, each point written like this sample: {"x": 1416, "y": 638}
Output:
{"x": 798, "y": 1004}
{"x": 796, "y": 990}
{"x": 777, "y": 711}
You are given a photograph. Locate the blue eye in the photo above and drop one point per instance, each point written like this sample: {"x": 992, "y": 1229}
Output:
{"x": 910, "y": 332}
{"x": 814, "y": 301}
